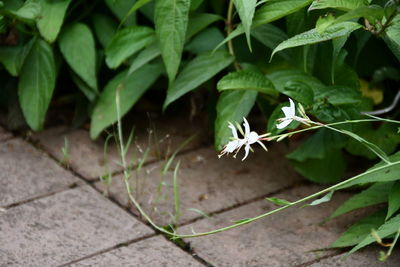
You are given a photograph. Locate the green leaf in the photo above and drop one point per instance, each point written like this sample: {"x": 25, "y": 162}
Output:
{"x": 345, "y": 5}
{"x": 133, "y": 9}
{"x": 270, "y": 36}
{"x": 329, "y": 169}
{"x": 299, "y": 91}
{"x": 392, "y": 36}
{"x": 29, "y": 11}
{"x": 247, "y": 80}
{"x": 127, "y": 42}
{"x": 361, "y": 229}
{"x": 388, "y": 228}
{"x": 381, "y": 172}
{"x": 393, "y": 200}
{"x": 272, "y": 10}
{"x": 131, "y": 89}
{"x": 84, "y": 87}
{"x": 198, "y": 22}
{"x": 372, "y": 13}
{"x": 232, "y": 106}
{"x": 245, "y": 9}
{"x": 120, "y": 8}
{"x": 312, "y": 36}
{"x": 13, "y": 57}
{"x": 82, "y": 61}
{"x": 52, "y": 17}
{"x": 105, "y": 28}
{"x": 171, "y": 19}
{"x": 145, "y": 56}
{"x": 36, "y": 83}
{"x": 318, "y": 145}
{"x": 340, "y": 95}
{"x": 375, "y": 194}
{"x": 205, "y": 41}
{"x": 278, "y": 201}
{"x": 196, "y": 72}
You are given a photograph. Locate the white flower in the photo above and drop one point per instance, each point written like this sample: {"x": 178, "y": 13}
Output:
{"x": 237, "y": 143}
{"x": 290, "y": 115}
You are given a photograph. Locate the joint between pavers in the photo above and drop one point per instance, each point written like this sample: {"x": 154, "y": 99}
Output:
{"x": 124, "y": 244}
{"x": 309, "y": 263}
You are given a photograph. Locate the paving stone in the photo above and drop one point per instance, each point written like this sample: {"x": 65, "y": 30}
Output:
{"x": 64, "y": 227}
{"x": 87, "y": 157}
{"x": 283, "y": 239}
{"x": 207, "y": 183}
{"x": 155, "y": 251}
{"x": 4, "y": 134}
{"x": 26, "y": 173}
{"x": 367, "y": 257}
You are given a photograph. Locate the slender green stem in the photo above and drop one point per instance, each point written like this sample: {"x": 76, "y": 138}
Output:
{"x": 229, "y": 28}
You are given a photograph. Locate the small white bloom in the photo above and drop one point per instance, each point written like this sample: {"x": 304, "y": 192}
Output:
{"x": 250, "y": 137}
{"x": 290, "y": 115}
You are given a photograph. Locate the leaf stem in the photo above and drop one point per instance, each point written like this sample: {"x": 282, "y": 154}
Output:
{"x": 229, "y": 29}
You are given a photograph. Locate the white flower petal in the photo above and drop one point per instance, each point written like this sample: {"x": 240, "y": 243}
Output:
{"x": 252, "y": 137}
{"x": 284, "y": 124}
{"x": 246, "y": 126}
{"x": 232, "y": 146}
{"x": 246, "y": 150}
{"x": 292, "y": 107}
{"x": 233, "y": 129}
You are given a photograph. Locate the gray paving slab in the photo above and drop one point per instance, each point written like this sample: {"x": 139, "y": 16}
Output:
{"x": 4, "y": 134}
{"x": 155, "y": 251}
{"x": 26, "y": 173}
{"x": 367, "y": 257}
{"x": 64, "y": 227}
{"x": 206, "y": 183}
{"x": 87, "y": 157}
{"x": 284, "y": 239}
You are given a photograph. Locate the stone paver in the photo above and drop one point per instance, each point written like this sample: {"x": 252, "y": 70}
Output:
{"x": 155, "y": 251}
{"x": 64, "y": 227}
{"x": 367, "y": 257}
{"x": 207, "y": 183}
{"x": 284, "y": 239}
{"x": 86, "y": 156}
{"x": 26, "y": 173}
{"x": 4, "y": 134}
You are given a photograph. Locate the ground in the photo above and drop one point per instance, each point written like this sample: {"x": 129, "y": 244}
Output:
{"x": 57, "y": 212}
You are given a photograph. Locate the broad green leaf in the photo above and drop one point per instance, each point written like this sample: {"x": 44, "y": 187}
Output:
{"x": 392, "y": 36}
{"x": 312, "y": 36}
{"x": 196, "y": 72}
{"x": 133, "y": 9}
{"x": 13, "y": 57}
{"x": 82, "y": 61}
{"x": 31, "y": 10}
{"x": 232, "y": 106}
{"x": 52, "y": 17}
{"x": 272, "y": 10}
{"x": 373, "y": 13}
{"x": 375, "y": 194}
{"x": 245, "y": 9}
{"x": 318, "y": 145}
{"x": 36, "y": 83}
{"x": 345, "y": 5}
{"x": 171, "y": 20}
{"x": 278, "y": 201}
{"x": 205, "y": 41}
{"x": 270, "y": 36}
{"x": 120, "y": 8}
{"x": 131, "y": 88}
{"x": 84, "y": 87}
{"x": 247, "y": 80}
{"x": 381, "y": 172}
{"x": 338, "y": 44}
{"x": 145, "y": 56}
{"x": 329, "y": 169}
{"x": 388, "y": 228}
{"x": 393, "y": 200}
{"x": 105, "y": 28}
{"x": 340, "y": 95}
{"x": 361, "y": 229}
{"x": 127, "y": 42}
{"x": 299, "y": 91}
{"x": 198, "y": 22}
